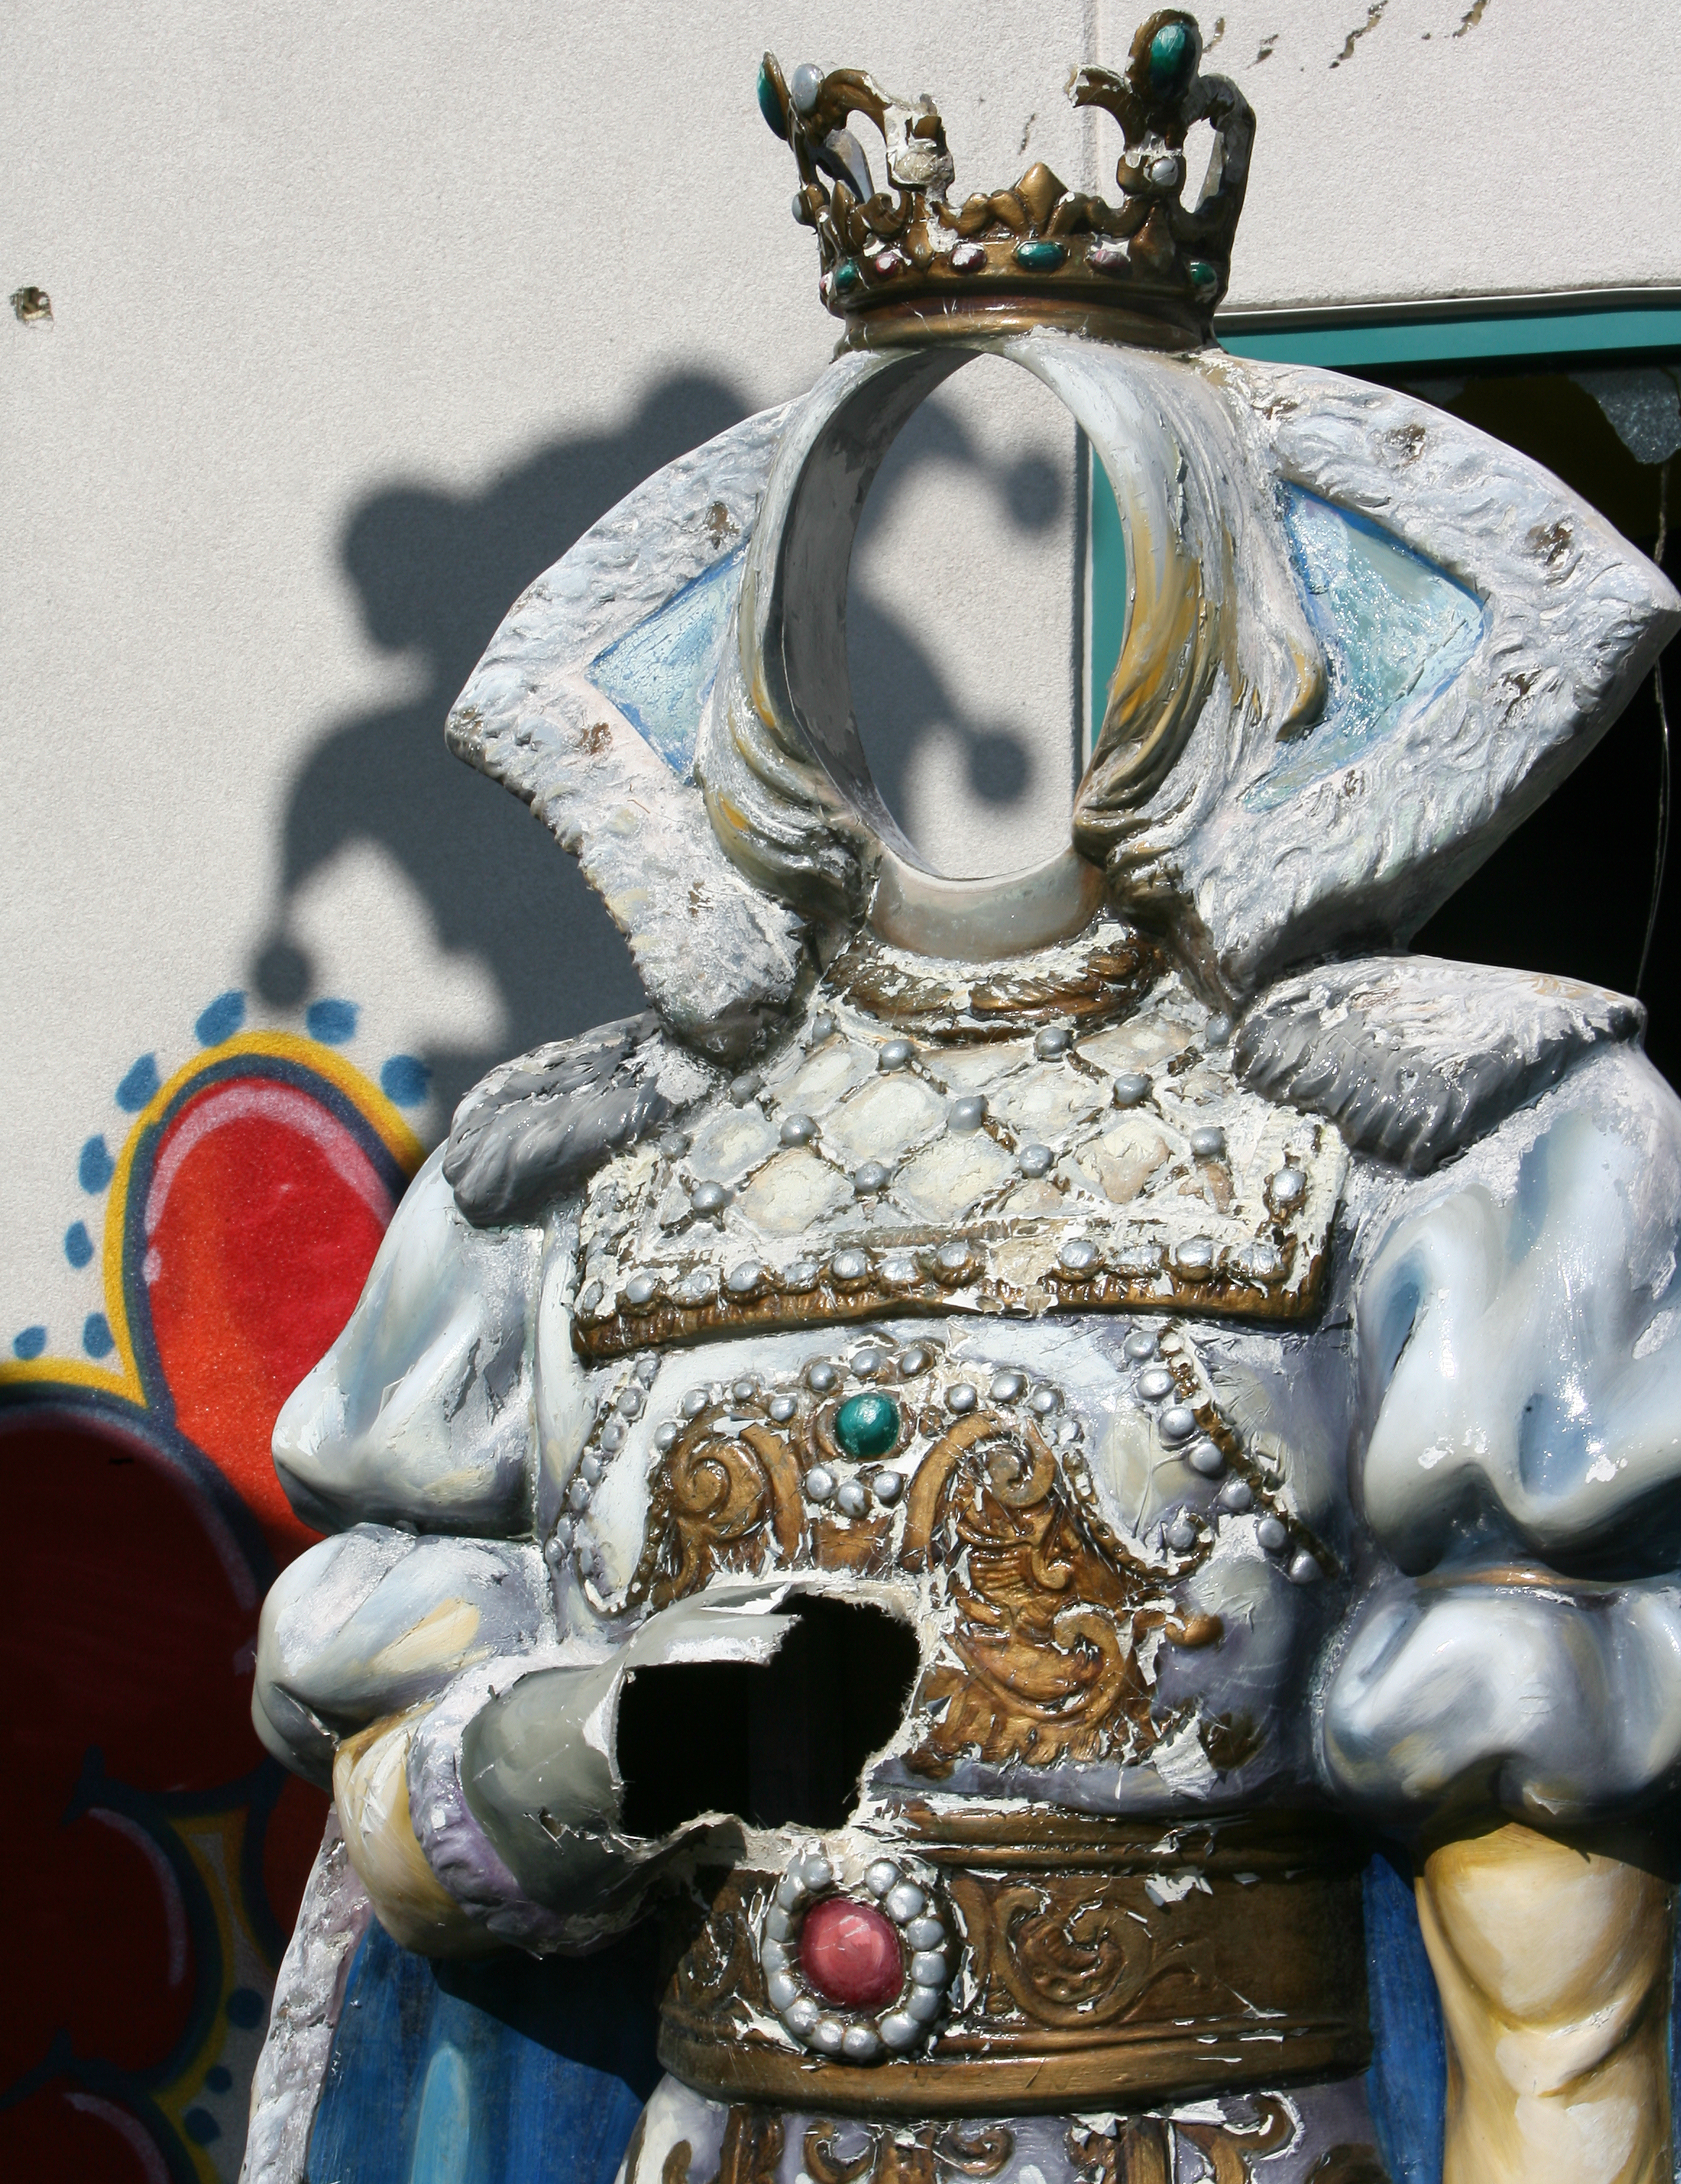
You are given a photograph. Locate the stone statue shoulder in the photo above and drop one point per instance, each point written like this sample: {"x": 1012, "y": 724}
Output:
{"x": 1414, "y": 1058}
{"x": 536, "y": 1129}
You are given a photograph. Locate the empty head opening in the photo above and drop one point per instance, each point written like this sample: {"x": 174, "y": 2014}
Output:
{"x": 962, "y": 623}
{"x": 966, "y": 609}
{"x": 781, "y": 1743}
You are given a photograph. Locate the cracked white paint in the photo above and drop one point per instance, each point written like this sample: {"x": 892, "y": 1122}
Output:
{"x": 1393, "y": 138}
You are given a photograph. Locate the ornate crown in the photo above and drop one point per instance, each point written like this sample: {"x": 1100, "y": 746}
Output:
{"x": 902, "y": 264}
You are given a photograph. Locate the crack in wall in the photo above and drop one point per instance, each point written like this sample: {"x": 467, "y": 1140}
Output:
{"x": 1374, "y": 15}
{"x": 1473, "y": 17}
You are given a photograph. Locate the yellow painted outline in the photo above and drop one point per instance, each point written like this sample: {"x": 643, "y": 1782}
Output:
{"x": 195, "y": 1832}
{"x": 187, "y": 2087}
{"x": 364, "y": 1095}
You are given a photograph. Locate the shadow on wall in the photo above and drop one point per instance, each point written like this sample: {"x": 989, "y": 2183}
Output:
{"x": 435, "y": 573}
{"x": 900, "y": 695}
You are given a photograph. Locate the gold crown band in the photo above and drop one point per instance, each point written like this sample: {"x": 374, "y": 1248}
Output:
{"x": 900, "y": 264}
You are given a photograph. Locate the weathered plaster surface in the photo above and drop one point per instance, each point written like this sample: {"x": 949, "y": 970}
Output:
{"x": 1425, "y": 148}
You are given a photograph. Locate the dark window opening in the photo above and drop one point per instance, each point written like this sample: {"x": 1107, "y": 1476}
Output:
{"x": 782, "y": 1745}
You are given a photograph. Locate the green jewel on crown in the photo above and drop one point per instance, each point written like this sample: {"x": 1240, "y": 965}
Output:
{"x": 902, "y": 263}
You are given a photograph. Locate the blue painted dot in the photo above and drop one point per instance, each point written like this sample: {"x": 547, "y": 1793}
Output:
{"x": 96, "y": 1338}
{"x": 245, "y": 2007}
{"x": 222, "y": 1020}
{"x": 96, "y": 1167}
{"x": 405, "y": 1080}
{"x": 201, "y": 2126}
{"x": 30, "y": 1344}
{"x": 139, "y": 1085}
{"x": 219, "y": 2077}
{"x": 78, "y": 1244}
{"x": 332, "y": 1022}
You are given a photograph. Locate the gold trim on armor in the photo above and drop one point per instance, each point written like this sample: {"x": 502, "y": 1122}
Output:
{"x": 1102, "y": 1966}
{"x": 1132, "y": 2150}
{"x": 1227, "y": 1291}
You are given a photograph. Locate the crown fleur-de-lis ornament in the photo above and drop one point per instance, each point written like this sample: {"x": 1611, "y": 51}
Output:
{"x": 902, "y": 263}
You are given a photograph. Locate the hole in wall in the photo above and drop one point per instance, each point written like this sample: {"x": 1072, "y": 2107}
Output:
{"x": 781, "y": 1743}
{"x": 963, "y": 623}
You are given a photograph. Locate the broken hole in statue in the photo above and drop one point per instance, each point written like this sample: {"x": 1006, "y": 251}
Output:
{"x": 782, "y": 1743}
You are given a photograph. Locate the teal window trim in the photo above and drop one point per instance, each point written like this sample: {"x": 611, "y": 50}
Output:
{"x": 1106, "y": 597}
{"x": 1572, "y": 327}
{"x": 1371, "y": 340}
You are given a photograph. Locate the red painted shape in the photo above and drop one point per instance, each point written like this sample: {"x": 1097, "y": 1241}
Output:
{"x": 850, "y": 1953}
{"x": 124, "y": 1609}
{"x": 261, "y": 1222}
{"x": 127, "y": 1617}
{"x": 127, "y": 1611}
{"x": 99, "y": 1939}
{"x": 63, "y": 2132}
{"x": 290, "y": 1841}
{"x": 128, "y": 1620}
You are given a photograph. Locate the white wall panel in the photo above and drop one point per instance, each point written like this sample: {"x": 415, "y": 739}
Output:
{"x": 361, "y": 315}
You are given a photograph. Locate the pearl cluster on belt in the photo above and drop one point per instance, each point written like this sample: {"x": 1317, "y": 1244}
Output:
{"x": 855, "y": 1975}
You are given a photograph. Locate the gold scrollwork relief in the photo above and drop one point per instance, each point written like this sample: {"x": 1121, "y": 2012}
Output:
{"x": 1045, "y": 1609}
{"x": 719, "y": 1965}
{"x": 1050, "y": 1614}
{"x": 837, "y": 2152}
{"x": 1142, "y": 2150}
{"x": 750, "y": 2152}
{"x": 1057, "y": 1952}
{"x": 721, "y": 1503}
{"x": 1084, "y": 1979}
{"x": 1041, "y": 1659}
{"x": 929, "y": 2153}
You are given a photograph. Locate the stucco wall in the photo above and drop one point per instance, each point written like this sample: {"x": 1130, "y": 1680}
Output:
{"x": 1412, "y": 148}
{"x": 360, "y": 317}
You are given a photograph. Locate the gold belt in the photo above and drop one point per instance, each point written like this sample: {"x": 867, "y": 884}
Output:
{"x": 1103, "y": 1965}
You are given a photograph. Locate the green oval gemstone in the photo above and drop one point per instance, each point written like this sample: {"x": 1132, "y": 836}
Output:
{"x": 1039, "y": 256}
{"x": 771, "y": 102}
{"x": 867, "y": 1425}
{"x": 1204, "y": 278}
{"x": 1172, "y": 56}
{"x": 848, "y": 274}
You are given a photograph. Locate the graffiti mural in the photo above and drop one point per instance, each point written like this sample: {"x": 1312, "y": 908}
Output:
{"x": 154, "y": 1853}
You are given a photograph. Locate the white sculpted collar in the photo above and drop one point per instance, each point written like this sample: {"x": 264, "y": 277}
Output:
{"x": 1360, "y": 641}
{"x": 918, "y": 1145}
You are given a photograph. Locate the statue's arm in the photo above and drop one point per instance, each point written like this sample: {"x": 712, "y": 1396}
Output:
{"x": 421, "y": 1414}
{"x": 415, "y": 1444}
{"x": 423, "y": 1660}
{"x": 1510, "y": 1689}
